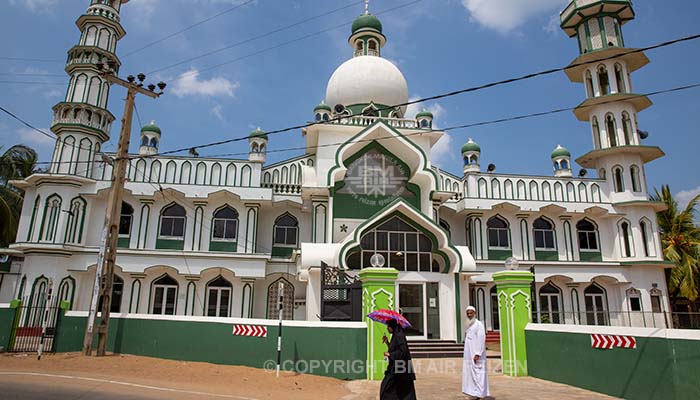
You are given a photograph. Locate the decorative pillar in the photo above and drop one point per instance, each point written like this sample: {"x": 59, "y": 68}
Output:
{"x": 319, "y": 232}
{"x": 191, "y": 294}
{"x": 524, "y": 235}
{"x": 198, "y": 225}
{"x": 247, "y": 298}
{"x": 378, "y": 291}
{"x": 142, "y": 235}
{"x": 514, "y": 306}
{"x": 251, "y": 228}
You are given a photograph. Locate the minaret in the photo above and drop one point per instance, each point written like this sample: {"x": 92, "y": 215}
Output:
{"x": 150, "y": 138}
{"x": 258, "y": 146}
{"x": 471, "y": 152}
{"x": 82, "y": 122}
{"x": 604, "y": 67}
{"x": 367, "y": 38}
{"x": 561, "y": 161}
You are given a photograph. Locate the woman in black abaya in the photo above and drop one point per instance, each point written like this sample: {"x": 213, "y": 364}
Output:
{"x": 399, "y": 375}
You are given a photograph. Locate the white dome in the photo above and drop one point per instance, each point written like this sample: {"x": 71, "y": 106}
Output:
{"x": 365, "y": 79}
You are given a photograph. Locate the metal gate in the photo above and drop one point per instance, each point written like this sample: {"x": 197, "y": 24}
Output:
{"x": 341, "y": 295}
{"x": 29, "y": 323}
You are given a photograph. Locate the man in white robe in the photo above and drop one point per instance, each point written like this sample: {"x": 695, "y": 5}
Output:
{"x": 475, "y": 382}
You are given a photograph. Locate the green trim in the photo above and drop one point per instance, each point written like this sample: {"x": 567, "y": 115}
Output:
{"x": 250, "y": 298}
{"x": 22, "y": 284}
{"x": 227, "y": 246}
{"x": 148, "y": 214}
{"x": 69, "y": 280}
{"x": 282, "y": 252}
{"x": 187, "y": 296}
{"x": 588, "y": 37}
{"x": 124, "y": 242}
{"x": 603, "y": 36}
{"x": 500, "y": 255}
{"x": 365, "y": 226}
{"x": 131, "y": 296}
{"x": 170, "y": 244}
{"x": 590, "y": 256}
{"x": 541, "y": 255}
{"x": 399, "y": 135}
{"x": 37, "y": 200}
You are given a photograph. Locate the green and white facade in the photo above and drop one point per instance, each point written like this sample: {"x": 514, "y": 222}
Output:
{"x": 213, "y": 237}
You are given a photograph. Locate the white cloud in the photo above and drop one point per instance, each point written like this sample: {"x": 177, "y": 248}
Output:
{"x": 42, "y": 144}
{"x": 189, "y": 84}
{"x": 683, "y": 197}
{"x": 218, "y": 112}
{"x": 435, "y": 108}
{"x": 506, "y": 15}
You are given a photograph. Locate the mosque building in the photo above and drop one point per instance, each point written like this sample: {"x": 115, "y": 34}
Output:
{"x": 214, "y": 237}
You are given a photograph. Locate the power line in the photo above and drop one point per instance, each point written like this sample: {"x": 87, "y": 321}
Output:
{"x": 32, "y": 83}
{"x": 251, "y": 39}
{"x": 455, "y": 127}
{"x": 32, "y": 74}
{"x": 188, "y": 74}
{"x": 196, "y": 24}
{"x": 29, "y": 59}
{"x": 448, "y": 94}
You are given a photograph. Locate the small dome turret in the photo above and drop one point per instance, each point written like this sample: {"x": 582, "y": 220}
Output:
{"x": 425, "y": 119}
{"x": 322, "y": 112}
{"x": 471, "y": 152}
{"x": 150, "y": 138}
{"x": 258, "y": 145}
{"x": 561, "y": 160}
{"x": 366, "y": 22}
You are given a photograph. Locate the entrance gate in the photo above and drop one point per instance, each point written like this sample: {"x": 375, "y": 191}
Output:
{"x": 28, "y": 325}
{"x": 341, "y": 295}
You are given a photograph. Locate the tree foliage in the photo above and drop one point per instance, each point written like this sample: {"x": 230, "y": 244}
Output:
{"x": 18, "y": 162}
{"x": 680, "y": 241}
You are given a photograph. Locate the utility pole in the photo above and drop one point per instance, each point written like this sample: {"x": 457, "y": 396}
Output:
{"x": 104, "y": 274}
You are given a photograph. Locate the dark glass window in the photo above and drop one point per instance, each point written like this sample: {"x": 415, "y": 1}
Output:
{"x": 125, "y": 219}
{"x": 172, "y": 221}
{"x": 286, "y": 231}
{"x": 498, "y": 232}
{"x": 587, "y": 235}
{"x": 225, "y": 224}
{"x": 544, "y": 234}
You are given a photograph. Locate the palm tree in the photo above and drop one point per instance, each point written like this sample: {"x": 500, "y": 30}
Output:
{"x": 680, "y": 240}
{"x": 18, "y": 162}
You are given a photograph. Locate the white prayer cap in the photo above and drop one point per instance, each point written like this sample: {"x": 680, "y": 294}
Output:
{"x": 471, "y": 308}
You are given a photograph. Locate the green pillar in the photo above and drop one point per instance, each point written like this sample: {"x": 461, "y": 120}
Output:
{"x": 514, "y": 314}
{"x": 377, "y": 292}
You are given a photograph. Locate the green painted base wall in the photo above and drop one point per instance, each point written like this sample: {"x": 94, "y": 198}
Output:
{"x": 590, "y": 256}
{"x": 658, "y": 368}
{"x": 167, "y": 244}
{"x": 214, "y": 343}
{"x": 546, "y": 256}
{"x": 123, "y": 242}
{"x": 282, "y": 252}
{"x": 7, "y": 316}
{"x": 500, "y": 254}
{"x": 230, "y": 247}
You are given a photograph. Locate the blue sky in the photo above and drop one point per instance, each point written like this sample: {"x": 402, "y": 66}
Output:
{"x": 440, "y": 45}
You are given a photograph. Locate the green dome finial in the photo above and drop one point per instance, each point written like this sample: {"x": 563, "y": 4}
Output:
{"x": 151, "y": 127}
{"x": 258, "y": 133}
{"x": 366, "y": 22}
{"x": 471, "y": 146}
{"x": 560, "y": 152}
{"x": 424, "y": 113}
{"x": 323, "y": 106}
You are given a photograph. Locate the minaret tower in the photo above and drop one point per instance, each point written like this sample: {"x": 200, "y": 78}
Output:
{"x": 604, "y": 67}
{"x": 82, "y": 122}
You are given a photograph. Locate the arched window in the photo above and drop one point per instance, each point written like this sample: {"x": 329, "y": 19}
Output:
{"x": 601, "y": 173}
{"x": 144, "y": 141}
{"x": 627, "y": 128}
{"x": 326, "y": 117}
{"x": 550, "y": 304}
{"x": 318, "y": 116}
{"x": 619, "y": 78}
{"x": 219, "y": 298}
{"x": 499, "y": 234}
{"x": 495, "y": 319}
{"x": 589, "y": 84}
{"x": 225, "y": 224}
{"x": 587, "y": 236}
{"x": 154, "y": 142}
{"x": 172, "y": 222}
{"x": 544, "y": 235}
{"x": 636, "y": 182}
{"x": 76, "y": 219}
{"x": 52, "y": 211}
{"x": 596, "y": 305}
{"x": 445, "y": 226}
{"x": 286, "y": 231}
{"x": 603, "y": 80}
{"x": 273, "y": 299}
{"x": 164, "y": 296}
{"x": 402, "y": 246}
{"x": 625, "y": 234}
{"x": 117, "y": 292}
{"x": 372, "y": 44}
{"x": 125, "y": 221}
{"x": 619, "y": 181}
{"x": 611, "y": 127}
{"x": 424, "y": 123}
{"x": 647, "y": 243}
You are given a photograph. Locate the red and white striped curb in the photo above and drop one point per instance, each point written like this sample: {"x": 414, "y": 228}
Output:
{"x": 250, "y": 330}
{"x": 607, "y": 342}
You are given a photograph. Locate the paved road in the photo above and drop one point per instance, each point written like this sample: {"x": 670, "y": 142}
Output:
{"x": 42, "y": 387}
